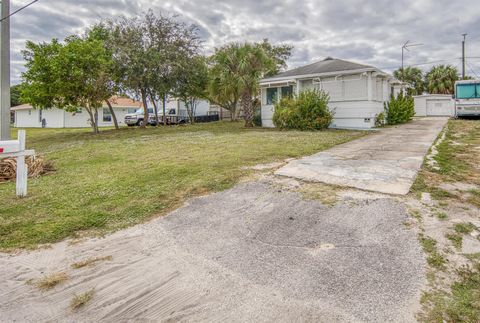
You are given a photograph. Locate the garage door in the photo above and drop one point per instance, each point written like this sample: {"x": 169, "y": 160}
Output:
{"x": 440, "y": 108}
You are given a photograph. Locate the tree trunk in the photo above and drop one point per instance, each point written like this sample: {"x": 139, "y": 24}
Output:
{"x": 114, "y": 117}
{"x": 164, "y": 110}
{"x": 247, "y": 109}
{"x": 92, "y": 119}
{"x": 96, "y": 121}
{"x": 190, "y": 105}
{"x": 145, "y": 108}
{"x": 155, "y": 108}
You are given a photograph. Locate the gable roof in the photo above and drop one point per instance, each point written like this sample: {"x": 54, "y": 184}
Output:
{"x": 328, "y": 65}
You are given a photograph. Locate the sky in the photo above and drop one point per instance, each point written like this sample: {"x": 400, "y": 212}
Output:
{"x": 369, "y": 32}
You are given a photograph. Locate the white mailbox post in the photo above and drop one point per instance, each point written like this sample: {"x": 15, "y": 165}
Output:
{"x": 16, "y": 148}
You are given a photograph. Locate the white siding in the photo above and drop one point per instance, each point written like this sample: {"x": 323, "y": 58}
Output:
{"x": 434, "y": 105}
{"x": 349, "y": 99}
{"x": 78, "y": 119}
{"x": 56, "y": 118}
{"x": 355, "y": 88}
{"x": 30, "y": 118}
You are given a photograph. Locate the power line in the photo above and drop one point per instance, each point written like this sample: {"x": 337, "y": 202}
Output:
{"x": 425, "y": 63}
{"x": 471, "y": 69}
{"x": 18, "y": 10}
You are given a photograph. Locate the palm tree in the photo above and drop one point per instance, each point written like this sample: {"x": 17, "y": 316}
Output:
{"x": 414, "y": 77}
{"x": 441, "y": 79}
{"x": 223, "y": 86}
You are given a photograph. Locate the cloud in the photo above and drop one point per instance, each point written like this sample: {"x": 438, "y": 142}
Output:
{"x": 370, "y": 32}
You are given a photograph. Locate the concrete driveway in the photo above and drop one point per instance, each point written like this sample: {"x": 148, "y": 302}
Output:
{"x": 387, "y": 161}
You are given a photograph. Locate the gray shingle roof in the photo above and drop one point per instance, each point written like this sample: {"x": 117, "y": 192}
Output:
{"x": 328, "y": 65}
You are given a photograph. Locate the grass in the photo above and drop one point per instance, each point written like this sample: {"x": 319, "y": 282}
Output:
{"x": 460, "y": 229}
{"x": 120, "y": 178}
{"x": 434, "y": 259}
{"x": 457, "y": 161}
{"x": 464, "y": 228}
{"x": 456, "y": 240}
{"x": 461, "y": 303}
{"x": 441, "y": 215}
{"x": 90, "y": 262}
{"x": 81, "y": 300}
{"x": 49, "y": 281}
{"x": 456, "y": 299}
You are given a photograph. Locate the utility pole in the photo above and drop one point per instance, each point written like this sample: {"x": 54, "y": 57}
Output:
{"x": 5, "y": 72}
{"x": 463, "y": 56}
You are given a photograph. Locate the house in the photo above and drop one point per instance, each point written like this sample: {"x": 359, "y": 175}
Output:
{"x": 28, "y": 117}
{"x": 434, "y": 105}
{"x": 357, "y": 92}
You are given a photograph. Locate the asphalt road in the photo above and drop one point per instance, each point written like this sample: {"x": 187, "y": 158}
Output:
{"x": 255, "y": 253}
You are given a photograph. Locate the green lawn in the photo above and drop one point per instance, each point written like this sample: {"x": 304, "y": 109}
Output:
{"x": 119, "y": 178}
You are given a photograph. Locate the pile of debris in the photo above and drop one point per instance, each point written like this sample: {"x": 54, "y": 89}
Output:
{"x": 36, "y": 166}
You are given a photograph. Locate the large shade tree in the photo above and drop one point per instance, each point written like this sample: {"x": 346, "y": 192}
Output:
{"x": 441, "y": 79}
{"x": 147, "y": 52}
{"x": 412, "y": 76}
{"x": 68, "y": 75}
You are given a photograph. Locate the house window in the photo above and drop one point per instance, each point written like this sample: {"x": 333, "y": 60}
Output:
{"x": 107, "y": 116}
{"x": 30, "y": 112}
{"x": 287, "y": 91}
{"x": 40, "y": 115}
{"x": 272, "y": 95}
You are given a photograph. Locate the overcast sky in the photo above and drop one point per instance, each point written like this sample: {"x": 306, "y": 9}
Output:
{"x": 370, "y": 32}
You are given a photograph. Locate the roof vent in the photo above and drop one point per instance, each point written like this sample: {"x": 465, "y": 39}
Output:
{"x": 329, "y": 58}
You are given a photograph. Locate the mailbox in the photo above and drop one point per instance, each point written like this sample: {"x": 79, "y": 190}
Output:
{"x": 9, "y": 146}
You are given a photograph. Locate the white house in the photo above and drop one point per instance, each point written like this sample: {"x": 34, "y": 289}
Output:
{"x": 357, "y": 92}
{"x": 28, "y": 117}
{"x": 434, "y": 105}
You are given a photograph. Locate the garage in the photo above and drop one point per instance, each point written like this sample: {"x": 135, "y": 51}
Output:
{"x": 434, "y": 105}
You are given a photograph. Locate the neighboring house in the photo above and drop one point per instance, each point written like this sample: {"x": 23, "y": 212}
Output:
{"x": 434, "y": 105}
{"x": 357, "y": 92}
{"x": 28, "y": 117}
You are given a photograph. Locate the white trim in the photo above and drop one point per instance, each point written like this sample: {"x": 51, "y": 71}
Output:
{"x": 306, "y": 76}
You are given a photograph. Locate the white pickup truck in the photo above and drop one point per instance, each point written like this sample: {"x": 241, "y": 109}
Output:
{"x": 137, "y": 118}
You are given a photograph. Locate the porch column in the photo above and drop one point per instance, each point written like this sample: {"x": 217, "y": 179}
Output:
{"x": 297, "y": 87}
{"x": 369, "y": 86}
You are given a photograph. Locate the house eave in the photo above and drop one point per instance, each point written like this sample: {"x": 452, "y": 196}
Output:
{"x": 307, "y": 76}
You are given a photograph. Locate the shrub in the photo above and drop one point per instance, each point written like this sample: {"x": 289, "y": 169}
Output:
{"x": 400, "y": 109}
{"x": 307, "y": 111}
{"x": 380, "y": 119}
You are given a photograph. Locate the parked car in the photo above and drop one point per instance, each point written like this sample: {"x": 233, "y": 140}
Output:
{"x": 137, "y": 118}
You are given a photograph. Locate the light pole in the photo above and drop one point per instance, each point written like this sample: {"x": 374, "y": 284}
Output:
{"x": 5, "y": 72}
{"x": 405, "y": 47}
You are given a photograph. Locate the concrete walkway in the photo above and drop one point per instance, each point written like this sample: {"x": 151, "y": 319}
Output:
{"x": 386, "y": 162}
